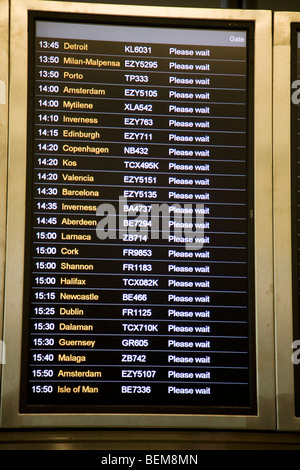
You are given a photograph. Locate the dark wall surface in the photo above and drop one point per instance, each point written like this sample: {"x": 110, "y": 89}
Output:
{"x": 275, "y": 5}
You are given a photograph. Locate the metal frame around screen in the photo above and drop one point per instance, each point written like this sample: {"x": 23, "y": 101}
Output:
{"x": 265, "y": 418}
{"x": 4, "y": 60}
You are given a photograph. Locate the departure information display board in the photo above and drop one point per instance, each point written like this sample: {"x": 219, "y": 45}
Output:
{"x": 139, "y": 273}
{"x": 295, "y": 197}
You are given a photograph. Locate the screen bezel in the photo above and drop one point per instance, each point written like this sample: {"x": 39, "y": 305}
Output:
{"x": 4, "y": 58}
{"x": 262, "y": 25}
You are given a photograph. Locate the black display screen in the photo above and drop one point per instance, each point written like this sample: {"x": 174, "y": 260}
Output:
{"x": 139, "y": 272}
{"x": 295, "y": 191}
